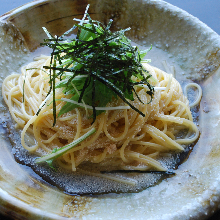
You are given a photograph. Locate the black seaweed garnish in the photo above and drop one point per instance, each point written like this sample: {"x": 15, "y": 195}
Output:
{"x": 95, "y": 67}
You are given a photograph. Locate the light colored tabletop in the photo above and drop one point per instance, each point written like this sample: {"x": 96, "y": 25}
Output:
{"x": 208, "y": 11}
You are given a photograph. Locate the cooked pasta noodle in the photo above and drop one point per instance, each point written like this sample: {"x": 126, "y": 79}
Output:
{"x": 199, "y": 96}
{"x": 122, "y": 135}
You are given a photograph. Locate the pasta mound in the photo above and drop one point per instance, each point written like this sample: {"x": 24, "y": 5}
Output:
{"x": 122, "y": 137}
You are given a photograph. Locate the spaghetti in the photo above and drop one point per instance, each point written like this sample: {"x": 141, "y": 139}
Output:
{"x": 122, "y": 137}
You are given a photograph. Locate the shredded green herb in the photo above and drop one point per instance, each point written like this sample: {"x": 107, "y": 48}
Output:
{"x": 95, "y": 67}
{"x": 57, "y": 152}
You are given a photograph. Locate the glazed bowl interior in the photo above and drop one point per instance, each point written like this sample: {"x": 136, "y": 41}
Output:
{"x": 177, "y": 37}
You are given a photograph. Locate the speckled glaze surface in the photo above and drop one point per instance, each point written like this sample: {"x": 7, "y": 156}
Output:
{"x": 194, "y": 192}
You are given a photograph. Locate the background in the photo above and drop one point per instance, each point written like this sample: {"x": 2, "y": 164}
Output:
{"x": 208, "y": 11}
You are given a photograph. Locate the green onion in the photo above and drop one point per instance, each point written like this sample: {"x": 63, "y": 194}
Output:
{"x": 59, "y": 152}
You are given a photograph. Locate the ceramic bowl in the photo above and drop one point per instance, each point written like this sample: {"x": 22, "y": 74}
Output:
{"x": 177, "y": 37}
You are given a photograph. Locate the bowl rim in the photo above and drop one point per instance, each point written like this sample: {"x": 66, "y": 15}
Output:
{"x": 21, "y": 9}
{"x": 4, "y": 196}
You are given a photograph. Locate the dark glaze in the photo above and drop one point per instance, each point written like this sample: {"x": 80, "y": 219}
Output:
{"x": 80, "y": 183}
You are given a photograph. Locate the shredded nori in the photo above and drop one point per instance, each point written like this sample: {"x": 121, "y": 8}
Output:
{"x": 105, "y": 60}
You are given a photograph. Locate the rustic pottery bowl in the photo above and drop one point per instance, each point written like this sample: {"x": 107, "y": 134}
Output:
{"x": 177, "y": 37}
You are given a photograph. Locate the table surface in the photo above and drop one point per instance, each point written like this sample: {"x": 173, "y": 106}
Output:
{"x": 208, "y": 11}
